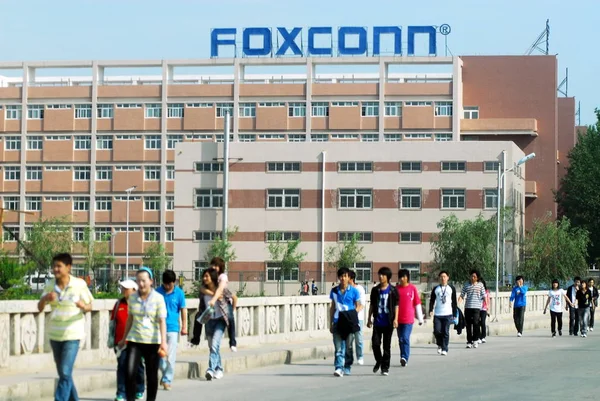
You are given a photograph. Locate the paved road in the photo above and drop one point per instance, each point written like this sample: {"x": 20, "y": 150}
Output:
{"x": 534, "y": 367}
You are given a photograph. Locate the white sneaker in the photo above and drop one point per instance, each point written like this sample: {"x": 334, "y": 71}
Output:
{"x": 475, "y": 344}
{"x": 584, "y": 335}
{"x": 519, "y": 334}
{"x": 233, "y": 348}
{"x": 338, "y": 373}
{"x": 439, "y": 350}
{"x": 591, "y": 329}
{"x": 444, "y": 353}
{"x": 361, "y": 361}
{"x": 209, "y": 375}
{"x": 469, "y": 345}
{"x": 479, "y": 342}
{"x": 219, "y": 374}
{"x": 384, "y": 373}
{"x": 483, "y": 340}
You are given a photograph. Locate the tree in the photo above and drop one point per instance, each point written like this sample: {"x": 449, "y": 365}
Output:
{"x": 346, "y": 254}
{"x": 579, "y": 194}
{"x": 554, "y": 250}
{"x": 11, "y": 271}
{"x": 461, "y": 246}
{"x": 222, "y": 247}
{"x": 157, "y": 259}
{"x": 95, "y": 253}
{"x": 286, "y": 255}
{"x": 46, "y": 238}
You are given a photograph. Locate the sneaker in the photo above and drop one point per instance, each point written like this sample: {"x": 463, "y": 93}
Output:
{"x": 439, "y": 350}
{"x": 361, "y": 361}
{"x": 233, "y": 348}
{"x": 403, "y": 362}
{"x": 376, "y": 367}
{"x": 209, "y": 375}
{"x": 553, "y": 335}
{"x": 591, "y": 329}
{"x": 483, "y": 340}
{"x": 119, "y": 398}
{"x": 139, "y": 396}
{"x": 469, "y": 345}
{"x": 166, "y": 386}
{"x": 478, "y": 342}
{"x": 584, "y": 335}
{"x": 219, "y": 374}
{"x": 384, "y": 373}
{"x": 347, "y": 371}
{"x": 444, "y": 353}
{"x": 519, "y": 334}
{"x": 475, "y": 344}
{"x": 338, "y": 373}
{"x": 560, "y": 332}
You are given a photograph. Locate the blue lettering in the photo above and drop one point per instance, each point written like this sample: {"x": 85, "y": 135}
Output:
{"x": 429, "y": 30}
{"x": 215, "y": 41}
{"x": 321, "y": 51}
{"x": 289, "y": 41}
{"x": 265, "y": 50}
{"x": 343, "y": 49}
{"x": 385, "y": 30}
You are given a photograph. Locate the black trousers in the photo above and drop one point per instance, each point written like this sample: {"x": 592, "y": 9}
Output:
{"x": 231, "y": 327}
{"x": 592, "y": 312}
{"x": 482, "y": 326}
{"x": 441, "y": 331}
{"x": 135, "y": 353}
{"x": 554, "y": 318}
{"x": 386, "y": 333}
{"x": 472, "y": 317}
{"x": 519, "y": 318}
{"x": 573, "y": 321}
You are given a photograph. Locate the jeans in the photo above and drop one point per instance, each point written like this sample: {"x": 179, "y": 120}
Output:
{"x": 135, "y": 353}
{"x": 65, "y": 353}
{"x": 231, "y": 327}
{"x": 215, "y": 328}
{"x": 385, "y": 332}
{"x": 358, "y": 336}
{"x": 343, "y": 350}
{"x": 122, "y": 376}
{"x": 584, "y": 318}
{"x": 519, "y": 318}
{"x": 404, "y": 331}
{"x": 554, "y": 317}
{"x": 167, "y": 366}
{"x": 573, "y": 321}
{"x": 472, "y": 317}
{"x": 441, "y": 330}
{"x": 482, "y": 326}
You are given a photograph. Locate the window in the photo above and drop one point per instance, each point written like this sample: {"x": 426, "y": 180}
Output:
{"x": 206, "y": 236}
{"x": 417, "y": 104}
{"x": 129, "y": 105}
{"x": 34, "y": 143}
{"x": 443, "y": 109}
{"x": 274, "y": 272}
{"x": 417, "y": 136}
{"x": 170, "y": 202}
{"x": 35, "y": 111}
{"x": 414, "y": 270}
{"x": 247, "y": 110}
{"x": 104, "y": 111}
{"x": 33, "y": 203}
{"x": 7, "y": 237}
{"x": 410, "y": 237}
{"x": 221, "y": 138}
{"x": 288, "y": 167}
{"x": 169, "y": 234}
{"x": 223, "y": 108}
{"x": 393, "y": 109}
{"x": 151, "y": 203}
{"x": 454, "y": 166}
{"x": 103, "y": 173}
{"x": 153, "y": 110}
{"x": 208, "y": 198}
{"x": 491, "y": 166}
{"x": 370, "y": 109}
{"x": 414, "y": 167}
{"x": 128, "y": 168}
{"x": 199, "y": 105}
{"x": 11, "y": 202}
{"x": 58, "y": 168}
{"x": 151, "y": 234}
{"x": 297, "y": 110}
{"x": 78, "y": 234}
{"x": 170, "y": 173}
{"x": 199, "y": 267}
{"x": 152, "y": 142}
{"x": 453, "y": 198}
{"x": 270, "y": 137}
{"x": 57, "y": 198}
{"x": 274, "y": 236}
{"x": 104, "y": 142}
{"x": 283, "y": 198}
{"x": 411, "y": 198}
{"x": 355, "y": 166}
{"x": 363, "y": 236}
{"x": 81, "y": 173}
{"x": 102, "y": 233}
{"x": 392, "y": 137}
{"x": 13, "y": 112}
{"x": 83, "y": 142}
{"x": 34, "y": 173}
{"x": 491, "y": 198}
{"x": 83, "y": 111}
{"x": 320, "y": 109}
{"x": 363, "y": 272}
{"x": 81, "y": 203}
{"x": 58, "y": 138}
{"x": 344, "y": 104}
{"x": 271, "y": 104}
{"x": 12, "y": 173}
{"x": 208, "y": 167}
{"x": 58, "y": 106}
{"x": 471, "y": 112}
{"x": 152, "y": 172}
{"x": 103, "y": 203}
{"x": 443, "y": 137}
{"x": 173, "y": 140}
{"x": 356, "y": 198}
{"x": 319, "y": 137}
{"x": 175, "y": 110}
{"x": 369, "y": 138}
{"x": 12, "y": 143}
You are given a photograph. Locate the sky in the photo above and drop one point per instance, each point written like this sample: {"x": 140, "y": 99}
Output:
{"x": 178, "y": 29}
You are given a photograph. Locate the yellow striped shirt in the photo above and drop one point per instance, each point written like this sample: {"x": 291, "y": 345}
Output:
{"x": 145, "y": 328}
{"x": 67, "y": 321}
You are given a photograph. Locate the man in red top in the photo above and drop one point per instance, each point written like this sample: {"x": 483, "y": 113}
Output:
{"x": 119, "y": 315}
{"x": 409, "y": 303}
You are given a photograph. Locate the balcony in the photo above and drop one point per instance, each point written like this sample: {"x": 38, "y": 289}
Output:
{"x": 500, "y": 126}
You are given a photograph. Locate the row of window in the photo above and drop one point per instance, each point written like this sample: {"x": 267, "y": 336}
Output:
{"x": 84, "y": 142}
{"x": 150, "y": 234}
{"x": 342, "y": 236}
{"x": 355, "y": 198}
{"x": 83, "y": 173}
{"x": 82, "y": 203}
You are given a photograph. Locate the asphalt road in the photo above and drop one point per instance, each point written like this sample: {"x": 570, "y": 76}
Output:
{"x": 533, "y": 367}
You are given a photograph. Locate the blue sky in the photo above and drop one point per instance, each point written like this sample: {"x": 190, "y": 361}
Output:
{"x": 152, "y": 29}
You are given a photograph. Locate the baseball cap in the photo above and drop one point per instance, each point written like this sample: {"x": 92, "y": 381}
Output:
{"x": 129, "y": 284}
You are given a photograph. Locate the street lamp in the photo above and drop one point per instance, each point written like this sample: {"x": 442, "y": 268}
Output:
{"x": 128, "y": 191}
{"x": 501, "y": 173}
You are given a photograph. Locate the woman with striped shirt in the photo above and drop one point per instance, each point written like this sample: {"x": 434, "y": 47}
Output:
{"x": 474, "y": 294}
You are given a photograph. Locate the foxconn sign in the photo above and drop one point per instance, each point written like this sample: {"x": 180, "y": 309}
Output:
{"x": 323, "y": 41}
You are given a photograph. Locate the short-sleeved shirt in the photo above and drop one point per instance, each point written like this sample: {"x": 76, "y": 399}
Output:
{"x": 383, "y": 310}
{"x": 175, "y": 302}
{"x": 344, "y": 301}
{"x": 363, "y": 301}
{"x": 67, "y": 321}
{"x": 408, "y": 299}
{"x": 474, "y": 294}
{"x": 556, "y": 299}
{"x": 145, "y": 328}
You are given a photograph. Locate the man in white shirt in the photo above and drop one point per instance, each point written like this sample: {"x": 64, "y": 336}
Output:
{"x": 443, "y": 297}
{"x": 361, "y": 318}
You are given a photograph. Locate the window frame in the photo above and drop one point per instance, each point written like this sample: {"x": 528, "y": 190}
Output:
{"x": 453, "y": 166}
{"x": 287, "y": 195}
{"x": 410, "y": 197}
{"x": 213, "y": 195}
{"x": 452, "y": 196}
{"x": 355, "y": 195}
{"x": 283, "y": 166}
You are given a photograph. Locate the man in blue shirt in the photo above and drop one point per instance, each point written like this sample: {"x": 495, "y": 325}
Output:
{"x": 519, "y": 296}
{"x": 175, "y": 302}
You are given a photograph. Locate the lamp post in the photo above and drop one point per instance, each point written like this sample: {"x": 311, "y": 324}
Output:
{"x": 128, "y": 191}
{"x": 501, "y": 174}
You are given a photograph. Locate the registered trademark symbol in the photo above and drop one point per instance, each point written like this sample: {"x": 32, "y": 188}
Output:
{"x": 445, "y": 29}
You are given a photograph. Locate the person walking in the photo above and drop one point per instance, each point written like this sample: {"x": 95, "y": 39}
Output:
{"x": 473, "y": 294}
{"x": 483, "y": 314}
{"x": 383, "y": 317}
{"x": 594, "y": 304}
{"x": 409, "y": 305}
{"x": 358, "y": 336}
{"x": 518, "y": 297}
{"x": 216, "y": 326}
{"x": 584, "y": 302}
{"x": 69, "y": 298}
{"x": 442, "y": 307}
{"x": 573, "y": 314}
{"x": 555, "y": 300}
{"x": 145, "y": 334}
{"x": 175, "y": 303}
